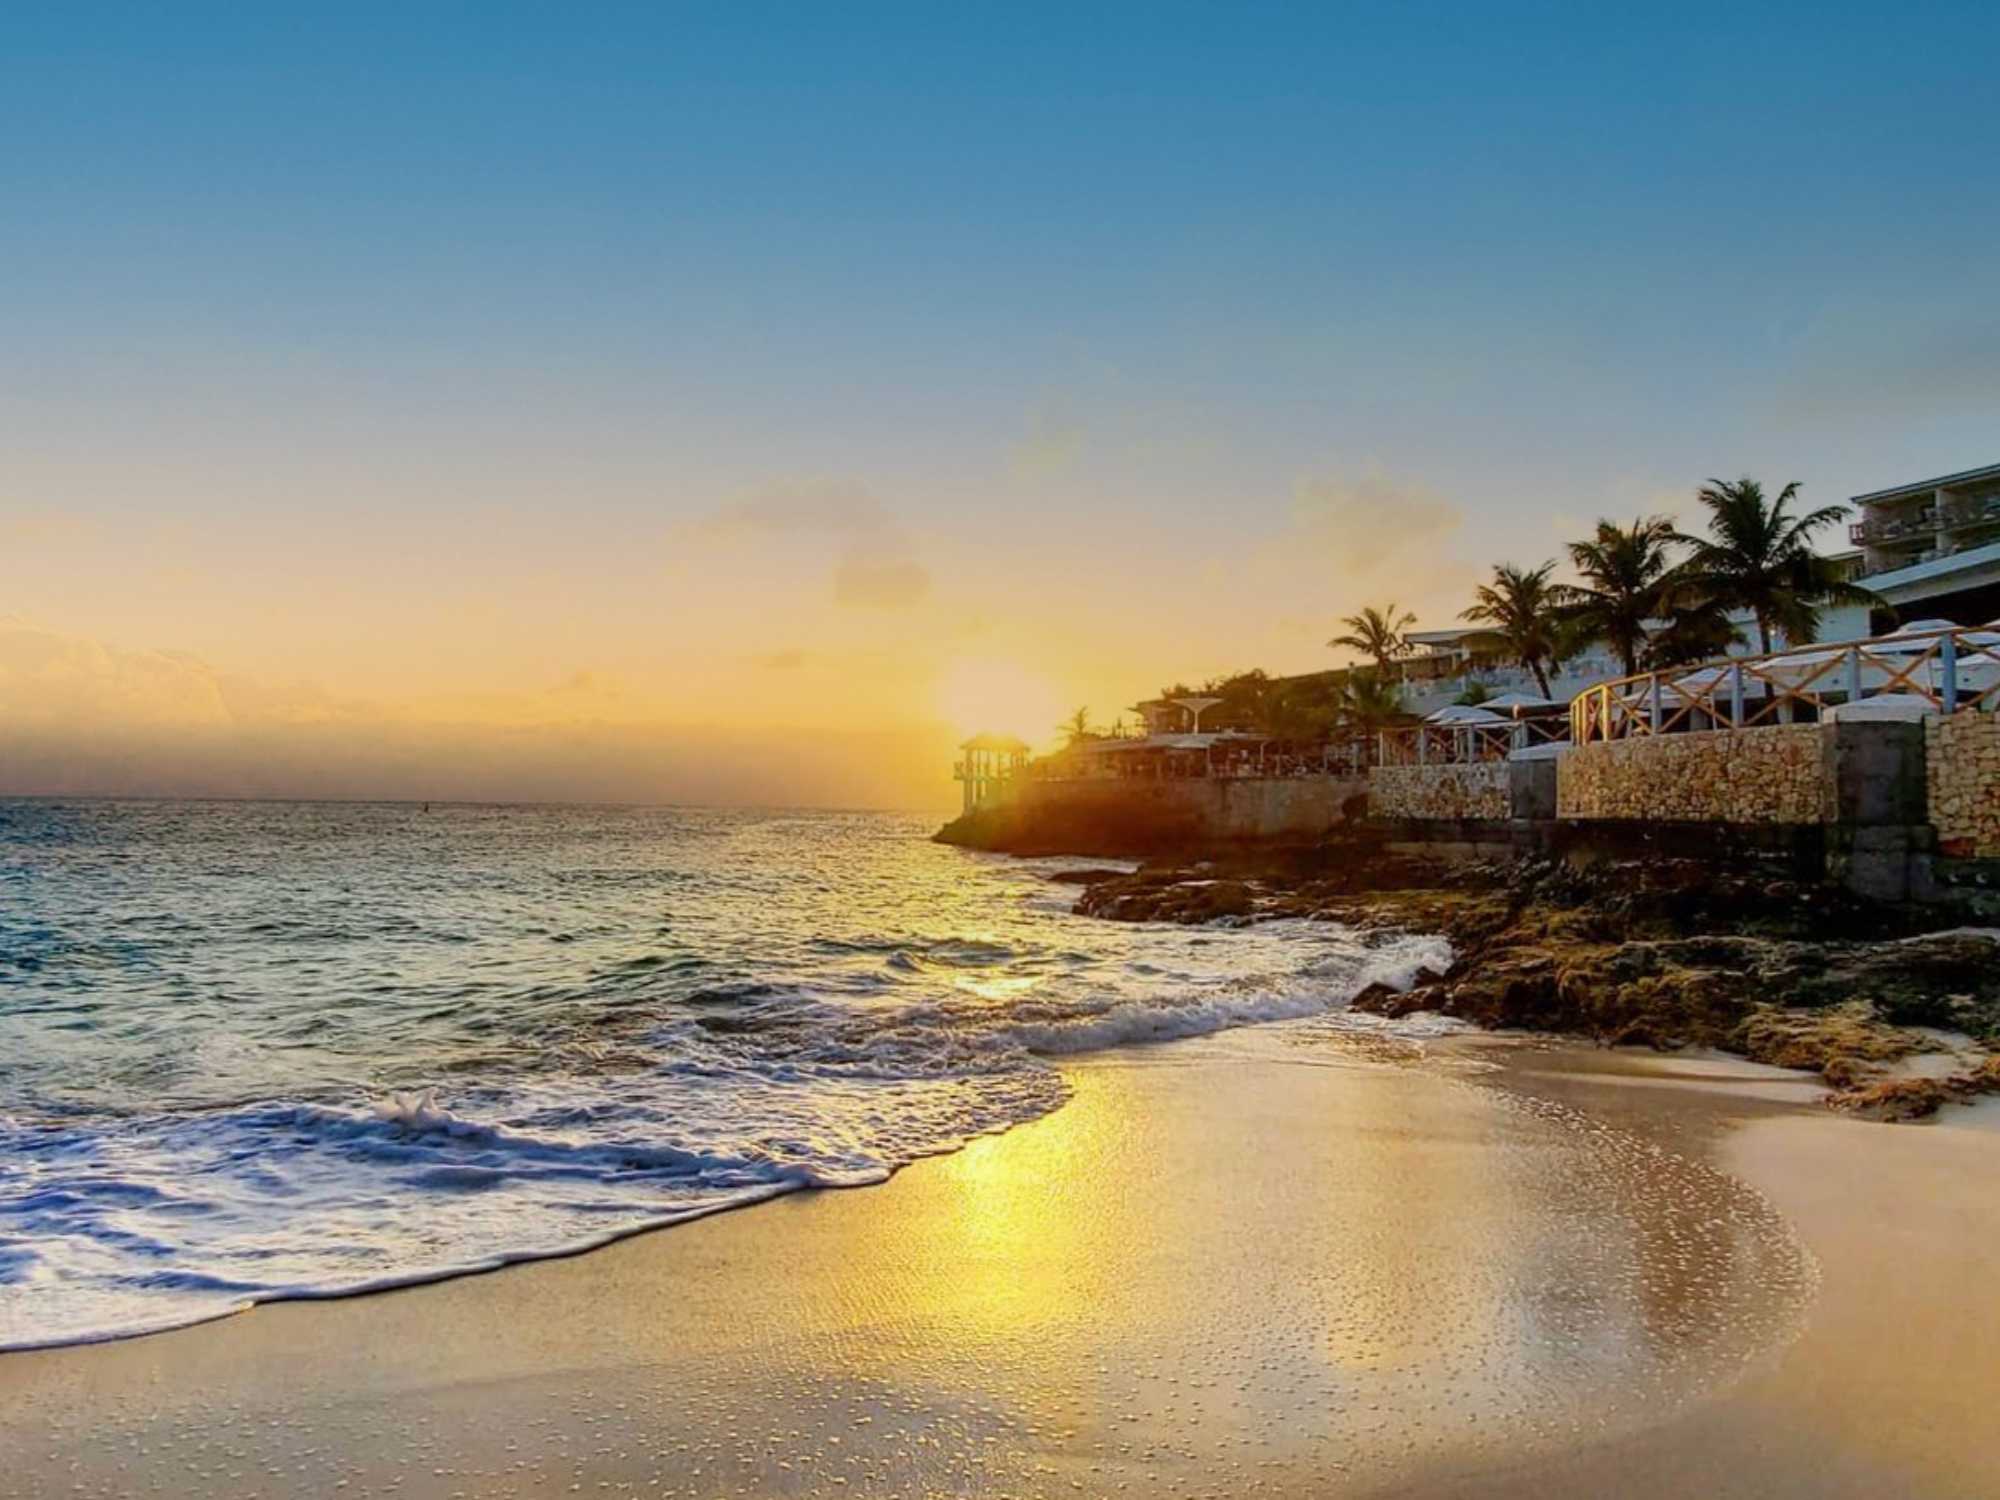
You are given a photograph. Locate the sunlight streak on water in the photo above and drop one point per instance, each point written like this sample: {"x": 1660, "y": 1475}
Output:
{"x": 269, "y": 1050}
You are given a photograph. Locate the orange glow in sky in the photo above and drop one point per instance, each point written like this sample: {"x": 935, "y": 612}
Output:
{"x": 984, "y": 694}
{"x": 626, "y": 409}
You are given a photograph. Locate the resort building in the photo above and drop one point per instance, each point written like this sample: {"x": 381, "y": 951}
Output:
{"x": 1929, "y": 549}
{"x": 1445, "y": 664}
{"x": 1934, "y": 544}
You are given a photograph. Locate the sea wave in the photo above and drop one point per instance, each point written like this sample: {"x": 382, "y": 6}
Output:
{"x": 291, "y": 1099}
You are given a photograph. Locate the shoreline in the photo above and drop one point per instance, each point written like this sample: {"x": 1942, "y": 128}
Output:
{"x": 1898, "y": 1010}
{"x": 1153, "y": 1269}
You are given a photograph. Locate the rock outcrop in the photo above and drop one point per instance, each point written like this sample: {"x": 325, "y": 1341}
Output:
{"x": 1663, "y": 954}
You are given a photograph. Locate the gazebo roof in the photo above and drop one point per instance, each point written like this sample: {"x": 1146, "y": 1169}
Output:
{"x": 1001, "y": 742}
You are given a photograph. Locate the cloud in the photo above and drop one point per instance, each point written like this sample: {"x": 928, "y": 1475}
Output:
{"x": 47, "y": 678}
{"x": 874, "y": 567}
{"x": 880, "y": 583}
{"x": 1361, "y": 523}
{"x": 827, "y": 507}
{"x": 1353, "y": 538}
{"x": 79, "y": 717}
{"x": 1892, "y": 362}
{"x": 1052, "y": 446}
{"x": 30, "y": 528}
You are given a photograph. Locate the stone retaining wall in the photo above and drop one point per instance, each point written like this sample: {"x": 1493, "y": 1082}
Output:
{"x": 1140, "y": 815}
{"x": 1962, "y": 765}
{"x": 1455, "y": 792}
{"x": 1777, "y": 774}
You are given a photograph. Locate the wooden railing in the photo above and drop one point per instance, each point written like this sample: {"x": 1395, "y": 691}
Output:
{"x": 1466, "y": 744}
{"x": 1947, "y": 671}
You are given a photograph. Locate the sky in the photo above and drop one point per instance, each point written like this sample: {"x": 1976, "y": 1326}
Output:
{"x": 743, "y": 403}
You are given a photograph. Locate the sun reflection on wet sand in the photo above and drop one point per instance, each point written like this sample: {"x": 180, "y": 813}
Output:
{"x": 1224, "y": 1263}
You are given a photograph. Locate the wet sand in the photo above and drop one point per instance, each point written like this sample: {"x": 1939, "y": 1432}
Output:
{"x": 1891, "y": 1387}
{"x": 1275, "y": 1261}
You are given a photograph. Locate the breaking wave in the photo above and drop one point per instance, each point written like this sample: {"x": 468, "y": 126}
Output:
{"x": 315, "y": 1052}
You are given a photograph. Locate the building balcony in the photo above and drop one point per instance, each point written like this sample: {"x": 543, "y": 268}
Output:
{"x": 1884, "y": 530}
{"x": 1983, "y": 510}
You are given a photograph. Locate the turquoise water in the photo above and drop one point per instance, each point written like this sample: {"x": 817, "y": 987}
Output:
{"x": 262, "y": 1050}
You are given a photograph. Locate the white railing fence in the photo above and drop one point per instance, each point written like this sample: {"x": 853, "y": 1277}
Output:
{"x": 1940, "y": 671}
{"x": 1466, "y": 744}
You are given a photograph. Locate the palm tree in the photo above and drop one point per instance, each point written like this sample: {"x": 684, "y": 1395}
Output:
{"x": 1692, "y": 630}
{"x": 1244, "y": 698}
{"x": 1377, "y": 634}
{"x": 1300, "y": 712}
{"x": 1521, "y": 607}
{"x": 1758, "y": 557}
{"x": 1077, "y": 727}
{"x": 1476, "y": 693}
{"x": 1369, "y": 701}
{"x": 1626, "y": 574}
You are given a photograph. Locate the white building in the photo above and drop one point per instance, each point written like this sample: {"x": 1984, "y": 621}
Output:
{"x": 1444, "y": 664}
{"x": 1932, "y": 548}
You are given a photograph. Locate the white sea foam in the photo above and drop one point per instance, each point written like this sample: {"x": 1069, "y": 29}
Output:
{"x": 529, "y": 1034}
{"x": 1395, "y": 964}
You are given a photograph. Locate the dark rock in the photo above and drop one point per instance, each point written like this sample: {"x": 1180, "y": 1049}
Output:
{"x": 1663, "y": 953}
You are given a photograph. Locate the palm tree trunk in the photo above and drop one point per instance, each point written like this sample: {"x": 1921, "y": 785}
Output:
{"x": 1541, "y": 677}
{"x": 1763, "y": 634}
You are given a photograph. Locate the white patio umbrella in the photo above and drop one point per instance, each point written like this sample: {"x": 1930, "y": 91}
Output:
{"x": 1823, "y": 669}
{"x": 1700, "y": 679}
{"x": 1196, "y": 707}
{"x": 1921, "y": 635}
{"x": 1464, "y": 713}
{"x": 1902, "y": 708}
{"x": 1516, "y": 703}
{"x": 1815, "y": 663}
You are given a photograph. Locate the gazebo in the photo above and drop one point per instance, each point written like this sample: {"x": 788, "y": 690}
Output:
{"x": 991, "y": 761}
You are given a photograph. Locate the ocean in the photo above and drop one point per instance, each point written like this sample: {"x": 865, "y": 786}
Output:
{"x": 252, "y": 1051}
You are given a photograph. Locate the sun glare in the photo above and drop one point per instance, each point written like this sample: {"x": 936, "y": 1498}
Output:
{"x": 980, "y": 695}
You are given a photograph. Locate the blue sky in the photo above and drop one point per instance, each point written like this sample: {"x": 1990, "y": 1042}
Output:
{"x": 342, "y": 340}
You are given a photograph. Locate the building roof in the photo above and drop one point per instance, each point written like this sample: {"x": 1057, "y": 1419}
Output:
{"x": 1457, "y": 635}
{"x": 1972, "y": 568}
{"x": 1925, "y": 486}
{"x": 1442, "y": 637}
{"x": 1203, "y": 741}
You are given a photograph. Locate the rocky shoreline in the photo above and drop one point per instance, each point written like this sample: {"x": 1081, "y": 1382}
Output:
{"x": 1898, "y": 1011}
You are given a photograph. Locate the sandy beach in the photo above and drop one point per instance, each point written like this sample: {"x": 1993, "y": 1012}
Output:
{"x": 1276, "y": 1261}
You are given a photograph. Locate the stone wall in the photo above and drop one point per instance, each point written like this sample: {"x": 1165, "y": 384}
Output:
{"x": 1140, "y": 815}
{"x": 1962, "y": 762}
{"x": 1454, "y": 792}
{"x": 1778, "y": 774}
